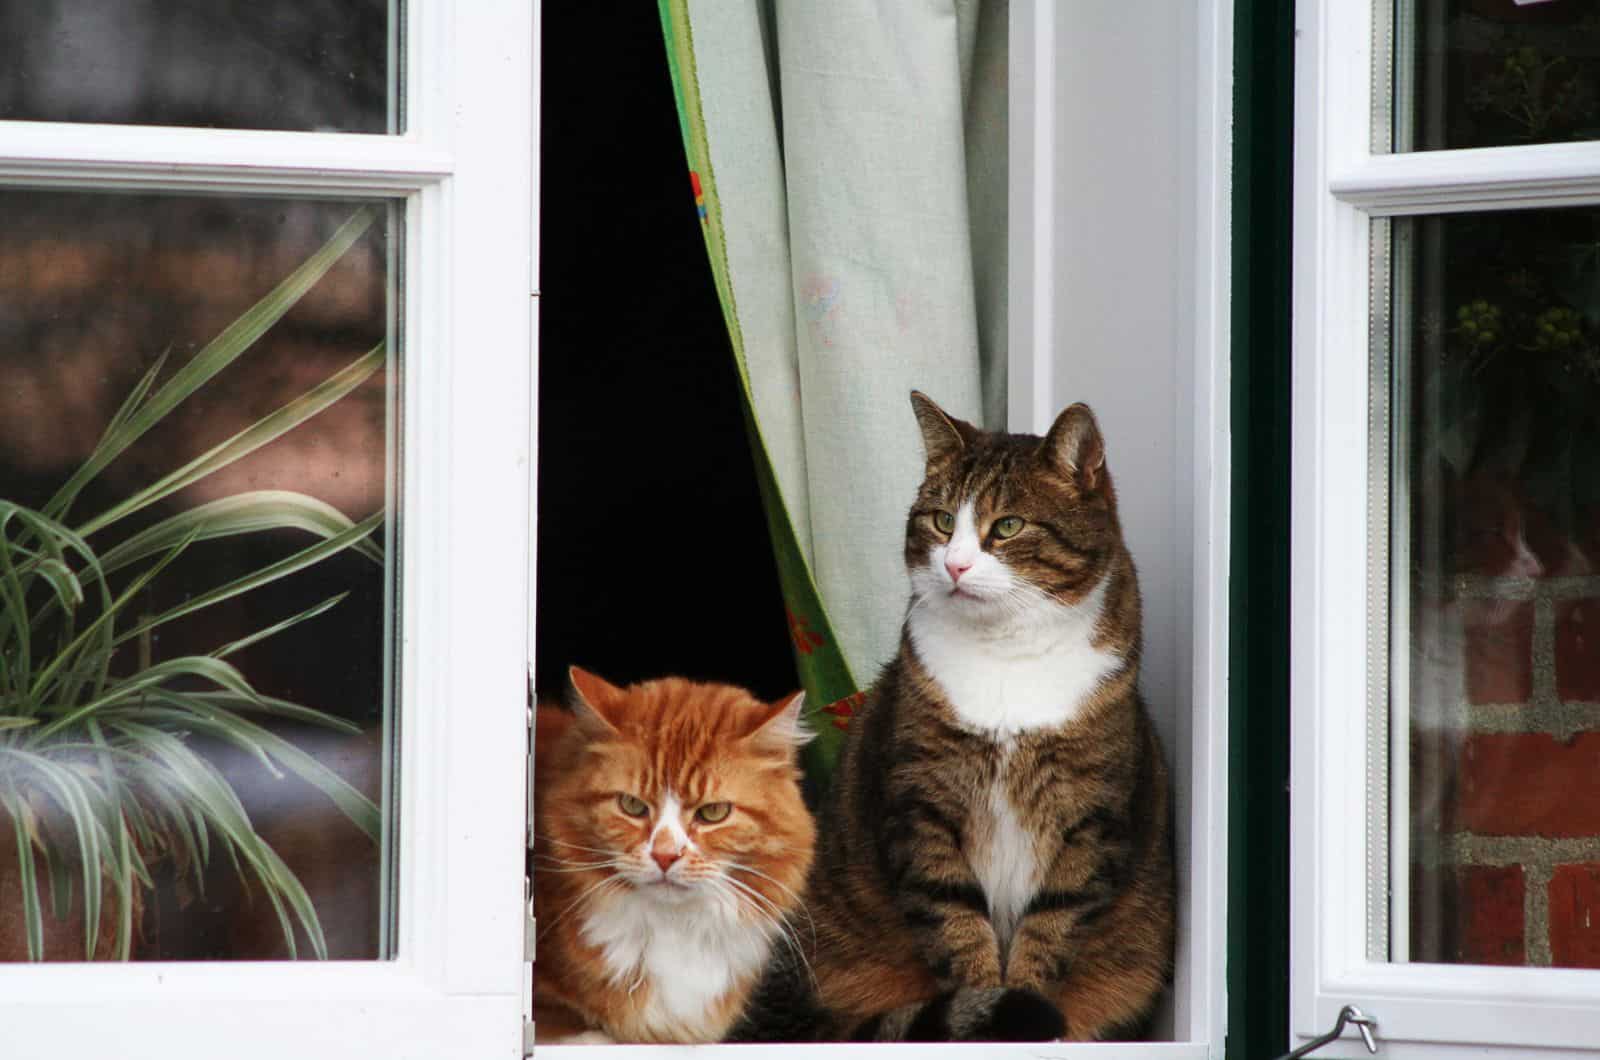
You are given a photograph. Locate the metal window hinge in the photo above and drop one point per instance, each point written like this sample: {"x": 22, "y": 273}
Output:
{"x": 1347, "y": 1015}
{"x": 530, "y": 924}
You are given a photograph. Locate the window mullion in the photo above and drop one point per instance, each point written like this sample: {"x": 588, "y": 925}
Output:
{"x": 139, "y": 157}
{"x": 1477, "y": 179}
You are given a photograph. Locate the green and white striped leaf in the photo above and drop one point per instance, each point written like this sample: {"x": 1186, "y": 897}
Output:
{"x": 247, "y": 441}
{"x": 220, "y": 352}
{"x": 244, "y": 513}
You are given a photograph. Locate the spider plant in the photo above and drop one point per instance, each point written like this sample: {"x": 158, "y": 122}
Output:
{"x": 94, "y": 736}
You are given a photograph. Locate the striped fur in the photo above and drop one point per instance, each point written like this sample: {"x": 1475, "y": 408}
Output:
{"x": 981, "y": 856}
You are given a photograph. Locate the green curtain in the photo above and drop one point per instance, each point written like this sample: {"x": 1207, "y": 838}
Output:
{"x": 848, "y": 160}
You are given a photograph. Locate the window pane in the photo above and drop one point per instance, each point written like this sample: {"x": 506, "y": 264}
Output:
{"x": 309, "y": 65}
{"x": 1488, "y": 73}
{"x": 1496, "y": 545}
{"x": 195, "y": 669}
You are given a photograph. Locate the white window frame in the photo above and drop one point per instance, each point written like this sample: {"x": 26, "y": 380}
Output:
{"x": 465, "y": 172}
{"x": 1340, "y": 187}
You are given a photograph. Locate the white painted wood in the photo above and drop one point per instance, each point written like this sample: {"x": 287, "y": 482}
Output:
{"x": 1031, "y": 249}
{"x": 1453, "y": 181}
{"x": 1423, "y": 1011}
{"x": 1120, "y": 210}
{"x": 537, "y": 84}
{"x": 1202, "y": 489}
{"x": 129, "y": 156}
{"x": 1122, "y": 181}
{"x": 454, "y": 988}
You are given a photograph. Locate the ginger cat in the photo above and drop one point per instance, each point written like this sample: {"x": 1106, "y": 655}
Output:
{"x": 671, "y": 846}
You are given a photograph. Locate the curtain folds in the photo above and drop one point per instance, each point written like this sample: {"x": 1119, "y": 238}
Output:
{"x": 848, "y": 158}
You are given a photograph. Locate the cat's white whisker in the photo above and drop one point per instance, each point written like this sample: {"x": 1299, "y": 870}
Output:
{"x": 577, "y": 866}
{"x": 588, "y": 893}
{"x": 574, "y": 846}
{"x": 799, "y": 903}
{"x": 785, "y": 931}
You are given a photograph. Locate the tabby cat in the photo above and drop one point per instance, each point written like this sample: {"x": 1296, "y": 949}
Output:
{"x": 997, "y": 861}
{"x": 671, "y": 842}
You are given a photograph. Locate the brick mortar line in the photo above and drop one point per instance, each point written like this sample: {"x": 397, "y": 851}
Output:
{"x": 1544, "y": 654}
{"x": 1545, "y": 711}
{"x": 1500, "y": 587}
{"x": 1464, "y": 848}
{"x": 1551, "y": 716}
{"x": 1536, "y": 914}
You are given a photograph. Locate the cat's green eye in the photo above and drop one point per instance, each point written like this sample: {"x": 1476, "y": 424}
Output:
{"x": 633, "y": 806}
{"x": 944, "y": 522}
{"x": 1008, "y": 526}
{"x": 712, "y": 812}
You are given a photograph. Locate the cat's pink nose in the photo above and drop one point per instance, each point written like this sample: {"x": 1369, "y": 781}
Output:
{"x": 665, "y": 858}
{"x": 957, "y": 567}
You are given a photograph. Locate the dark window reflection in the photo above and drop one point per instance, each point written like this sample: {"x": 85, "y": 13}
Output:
{"x": 308, "y": 65}
{"x": 1492, "y": 73}
{"x": 1501, "y": 480}
{"x": 94, "y": 290}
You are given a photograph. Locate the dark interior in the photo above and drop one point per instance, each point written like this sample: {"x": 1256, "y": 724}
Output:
{"x": 653, "y": 556}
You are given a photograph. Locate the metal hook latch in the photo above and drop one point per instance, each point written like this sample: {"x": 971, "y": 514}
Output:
{"x": 1349, "y": 1014}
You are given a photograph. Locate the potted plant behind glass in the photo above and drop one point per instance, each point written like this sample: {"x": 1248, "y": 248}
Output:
{"x": 99, "y": 777}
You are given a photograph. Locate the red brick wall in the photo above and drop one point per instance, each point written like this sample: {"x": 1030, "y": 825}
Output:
{"x": 1506, "y": 790}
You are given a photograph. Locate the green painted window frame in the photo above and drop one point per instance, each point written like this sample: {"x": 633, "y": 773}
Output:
{"x": 1258, "y": 726}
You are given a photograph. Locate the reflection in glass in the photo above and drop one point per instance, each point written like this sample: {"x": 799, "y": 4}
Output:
{"x": 195, "y": 593}
{"x": 1498, "y": 538}
{"x": 307, "y": 65}
{"x": 1490, "y": 73}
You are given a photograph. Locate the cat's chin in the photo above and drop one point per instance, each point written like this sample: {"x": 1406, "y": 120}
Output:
{"x": 968, "y": 604}
{"x": 666, "y": 891}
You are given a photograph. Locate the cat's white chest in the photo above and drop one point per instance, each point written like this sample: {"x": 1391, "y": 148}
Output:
{"x": 684, "y": 958}
{"x": 1036, "y": 673}
{"x": 1002, "y": 857}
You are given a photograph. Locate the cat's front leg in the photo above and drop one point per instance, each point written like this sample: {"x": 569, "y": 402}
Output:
{"x": 936, "y": 890}
{"x": 1082, "y": 882}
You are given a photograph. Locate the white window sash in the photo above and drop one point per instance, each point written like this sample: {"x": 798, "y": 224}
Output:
{"x": 465, "y": 173}
{"x": 1423, "y": 1010}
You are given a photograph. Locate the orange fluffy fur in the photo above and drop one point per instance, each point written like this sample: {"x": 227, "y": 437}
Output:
{"x": 601, "y": 898}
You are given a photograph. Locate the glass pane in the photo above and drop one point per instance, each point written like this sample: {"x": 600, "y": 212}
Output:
{"x": 196, "y": 478}
{"x": 1489, "y": 73}
{"x": 1496, "y": 554}
{"x": 308, "y": 65}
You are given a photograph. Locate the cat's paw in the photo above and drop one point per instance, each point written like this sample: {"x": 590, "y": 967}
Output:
{"x": 589, "y": 1038}
{"x": 1016, "y": 1014}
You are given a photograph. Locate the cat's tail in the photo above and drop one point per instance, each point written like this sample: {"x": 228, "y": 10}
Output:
{"x": 969, "y": 1014}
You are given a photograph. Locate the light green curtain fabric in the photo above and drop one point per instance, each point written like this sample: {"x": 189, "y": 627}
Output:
{"x": 850, "y": 161}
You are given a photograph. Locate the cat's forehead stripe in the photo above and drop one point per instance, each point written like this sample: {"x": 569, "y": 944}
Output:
{"x": 987, "y": 473}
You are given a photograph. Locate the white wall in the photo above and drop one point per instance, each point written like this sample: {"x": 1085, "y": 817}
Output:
{"x": 1120, "y": 113}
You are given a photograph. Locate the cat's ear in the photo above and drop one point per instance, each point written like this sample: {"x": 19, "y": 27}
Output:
{"x": 780, "y": 727}
{"x": 1074, "y": 446}
{"x": 594, "y": 700}
{"x": 943, "y": 436}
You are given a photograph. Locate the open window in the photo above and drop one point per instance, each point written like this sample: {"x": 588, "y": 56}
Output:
{"x": 1117, "y": 296}
{"x": 1445, "y": 509}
